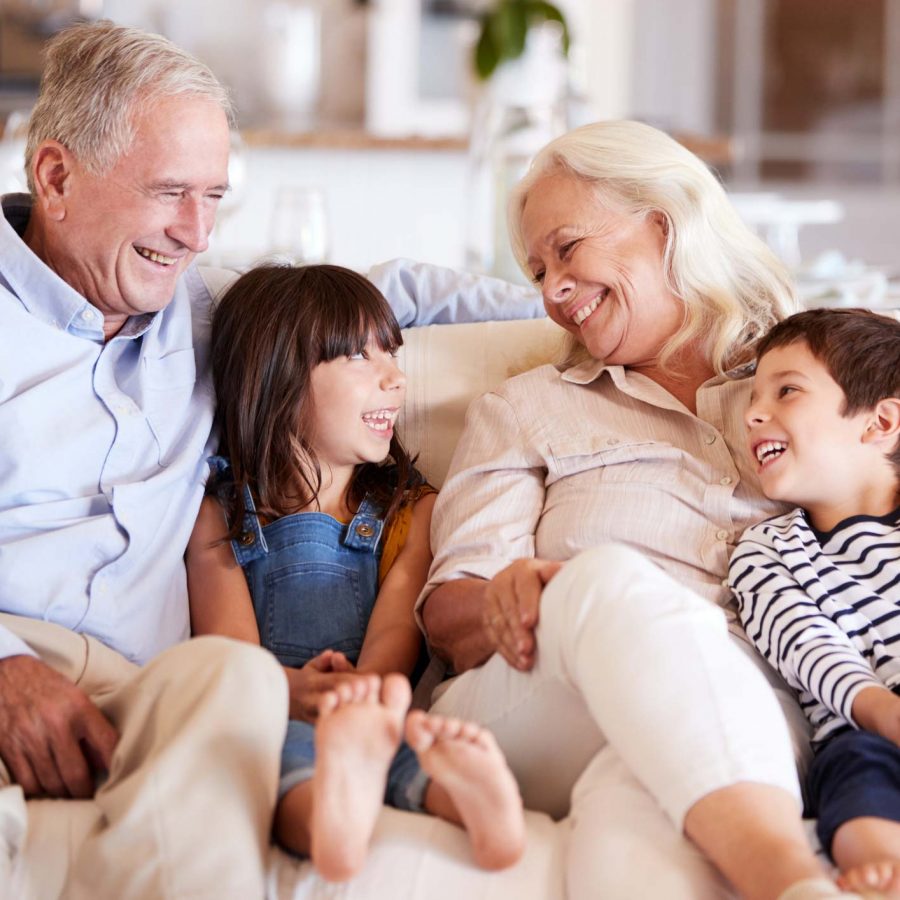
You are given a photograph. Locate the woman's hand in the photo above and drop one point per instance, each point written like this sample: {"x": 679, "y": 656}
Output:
{"x": 320, "y": 675}
{"x": 511, "y": 610}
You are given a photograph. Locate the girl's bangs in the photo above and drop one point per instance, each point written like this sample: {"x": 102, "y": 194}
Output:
{"x": 359, "y": 317}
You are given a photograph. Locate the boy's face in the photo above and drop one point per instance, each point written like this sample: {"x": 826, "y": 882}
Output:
{"x": 806, "y": 452}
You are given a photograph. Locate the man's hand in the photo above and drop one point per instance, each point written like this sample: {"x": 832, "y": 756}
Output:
{"x": 512, "y": 603}
{"x": 53, "y": 739}
{"x": 321, "y": 674}
{"x": 877, "y": 709}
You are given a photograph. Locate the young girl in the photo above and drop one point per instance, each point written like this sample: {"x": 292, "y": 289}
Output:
{"x": 311, "y": 545}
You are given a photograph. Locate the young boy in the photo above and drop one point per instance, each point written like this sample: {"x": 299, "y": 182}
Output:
{"x": 819, "y": 588}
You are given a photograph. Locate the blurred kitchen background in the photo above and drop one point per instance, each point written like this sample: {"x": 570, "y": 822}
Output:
{"x": 366, "y": 131}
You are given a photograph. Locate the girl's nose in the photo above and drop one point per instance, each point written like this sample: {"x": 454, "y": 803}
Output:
{"x": 394, "y": 376}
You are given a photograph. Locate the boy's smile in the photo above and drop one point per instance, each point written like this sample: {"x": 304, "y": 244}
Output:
{"x": 806, "y": 451}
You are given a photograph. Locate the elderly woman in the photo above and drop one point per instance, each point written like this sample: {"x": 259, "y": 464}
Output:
{"x": 617, "y": 669}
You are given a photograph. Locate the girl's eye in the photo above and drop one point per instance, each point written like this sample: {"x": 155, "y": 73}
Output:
{"x": 786, "y": 389}
{"x": 361, "y": 355}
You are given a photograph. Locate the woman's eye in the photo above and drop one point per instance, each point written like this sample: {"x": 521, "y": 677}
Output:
{"x": 538, "y": 278}
{"x": 567, "y": 248}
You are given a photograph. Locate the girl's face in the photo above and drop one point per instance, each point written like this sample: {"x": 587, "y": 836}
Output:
{"x": 356, "y": 401}
{"x": 600, "y": 271}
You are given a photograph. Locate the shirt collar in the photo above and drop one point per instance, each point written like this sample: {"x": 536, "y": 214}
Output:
{"x": 591, "y": 369}
{"x": 40, "y": 290}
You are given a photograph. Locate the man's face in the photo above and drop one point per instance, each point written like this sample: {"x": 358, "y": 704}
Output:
{"x": 127, "y": 235}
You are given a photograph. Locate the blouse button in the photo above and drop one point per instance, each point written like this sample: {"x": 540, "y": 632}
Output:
{"x": 365, "y": 530}
{"x": 247, "y": 538}
{"x": 722, "y": 534}
{"x": 726, "y": 480}
{"x": 710, "y": 439}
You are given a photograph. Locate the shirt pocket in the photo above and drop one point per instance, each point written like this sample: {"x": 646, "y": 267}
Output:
{"x": 169, "y": 383}
{"x": 614, "y": 457}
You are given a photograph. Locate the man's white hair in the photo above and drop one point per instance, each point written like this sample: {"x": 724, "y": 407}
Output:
{"x": 732, "y": 285}
{"x": 97, "y": 78}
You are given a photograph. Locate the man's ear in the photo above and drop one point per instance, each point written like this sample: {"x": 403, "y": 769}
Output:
{"x": 52, "y": 167}
{"x": 884, "y": 423}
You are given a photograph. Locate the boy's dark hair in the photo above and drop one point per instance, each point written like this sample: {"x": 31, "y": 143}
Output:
{"x": 860, "y": 349}
{"x": 271, "y": 328}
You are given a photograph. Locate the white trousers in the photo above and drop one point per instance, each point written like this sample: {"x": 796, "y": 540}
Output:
{"x": 640, "y": 696}
{"x": 186, "y": 808}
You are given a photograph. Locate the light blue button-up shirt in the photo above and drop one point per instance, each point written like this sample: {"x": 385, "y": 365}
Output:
{"x": 103, "y": 450}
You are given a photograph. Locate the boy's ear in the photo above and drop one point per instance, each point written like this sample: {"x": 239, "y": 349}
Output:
{"x": 884, "y": 423}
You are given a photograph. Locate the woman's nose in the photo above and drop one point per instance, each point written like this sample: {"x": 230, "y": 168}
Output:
{"x": 557, "y": 286}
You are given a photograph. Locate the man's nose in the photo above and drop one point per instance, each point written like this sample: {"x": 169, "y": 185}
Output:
{"x": 193, "y": 225}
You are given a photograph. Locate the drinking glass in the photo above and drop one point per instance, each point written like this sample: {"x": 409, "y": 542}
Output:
{"x": 299, "y": 226}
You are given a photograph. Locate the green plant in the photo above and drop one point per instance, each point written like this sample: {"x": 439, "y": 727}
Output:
{"x": 505, "y": 27}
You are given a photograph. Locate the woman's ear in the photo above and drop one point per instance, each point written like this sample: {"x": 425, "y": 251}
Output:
{"x": 661, "y": 221}
{"x": 884, "y": 423}
{"x": 52, "y": 166}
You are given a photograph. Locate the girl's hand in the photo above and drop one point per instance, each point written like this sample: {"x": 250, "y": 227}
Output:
{"x": 511, "y": 610}
{"x": 320, "y": 675}
{"x": 877, "y": 709}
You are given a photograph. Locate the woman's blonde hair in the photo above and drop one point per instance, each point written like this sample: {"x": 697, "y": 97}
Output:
{"x": 733, "y": 286}
{"x": 96, "y": 78}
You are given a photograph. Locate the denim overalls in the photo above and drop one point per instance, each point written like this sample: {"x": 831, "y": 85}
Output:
{"x": 314, "y": 582}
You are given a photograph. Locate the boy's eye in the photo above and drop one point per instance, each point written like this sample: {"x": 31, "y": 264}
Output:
{"x": 786, "y": 389}
{"x": 360, "y": 355}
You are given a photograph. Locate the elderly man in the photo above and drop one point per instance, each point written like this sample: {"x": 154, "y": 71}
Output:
{"x": 105, "y": 422}
{"x": 105, "y": 418}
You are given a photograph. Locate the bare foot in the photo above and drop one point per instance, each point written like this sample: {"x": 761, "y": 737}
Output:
{"x": 357, "y": 733}
{"x": 882, "y": 876}
{"x": 468, "y": 770}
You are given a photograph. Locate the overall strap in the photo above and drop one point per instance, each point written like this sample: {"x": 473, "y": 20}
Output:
{"x": 250, "y": 544}
{"x": 364, "y": 530}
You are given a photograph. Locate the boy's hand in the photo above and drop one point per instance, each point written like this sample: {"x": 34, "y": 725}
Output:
{"x": 877, "y": 709}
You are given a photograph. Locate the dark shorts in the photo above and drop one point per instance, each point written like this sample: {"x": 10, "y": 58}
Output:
{"x": 854, "y": 774}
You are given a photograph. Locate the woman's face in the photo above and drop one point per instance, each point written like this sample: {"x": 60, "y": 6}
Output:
{"x": 600, "y": 272}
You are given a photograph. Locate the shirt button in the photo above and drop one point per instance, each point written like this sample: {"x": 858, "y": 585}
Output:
{"x": 365, "y": 530}
{"x": 247, "y": 538}
{"x": 87, "y": 315}
{"x": 722, "y": 535}
{"x": 726, "y": 480}
{"x": 612, "y": 441}
{"x": 710, "y": 439}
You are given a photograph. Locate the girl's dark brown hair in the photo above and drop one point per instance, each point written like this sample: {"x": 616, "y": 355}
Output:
{"x": 272, "y": 327}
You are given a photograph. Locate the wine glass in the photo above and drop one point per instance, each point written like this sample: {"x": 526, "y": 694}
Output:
{"x": 298, "y": 230}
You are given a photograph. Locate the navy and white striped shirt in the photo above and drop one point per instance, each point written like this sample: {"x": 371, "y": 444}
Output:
{"x": 823, "y": 609}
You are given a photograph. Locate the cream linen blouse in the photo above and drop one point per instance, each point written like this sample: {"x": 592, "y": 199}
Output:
{"x": 555, "y": 462}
